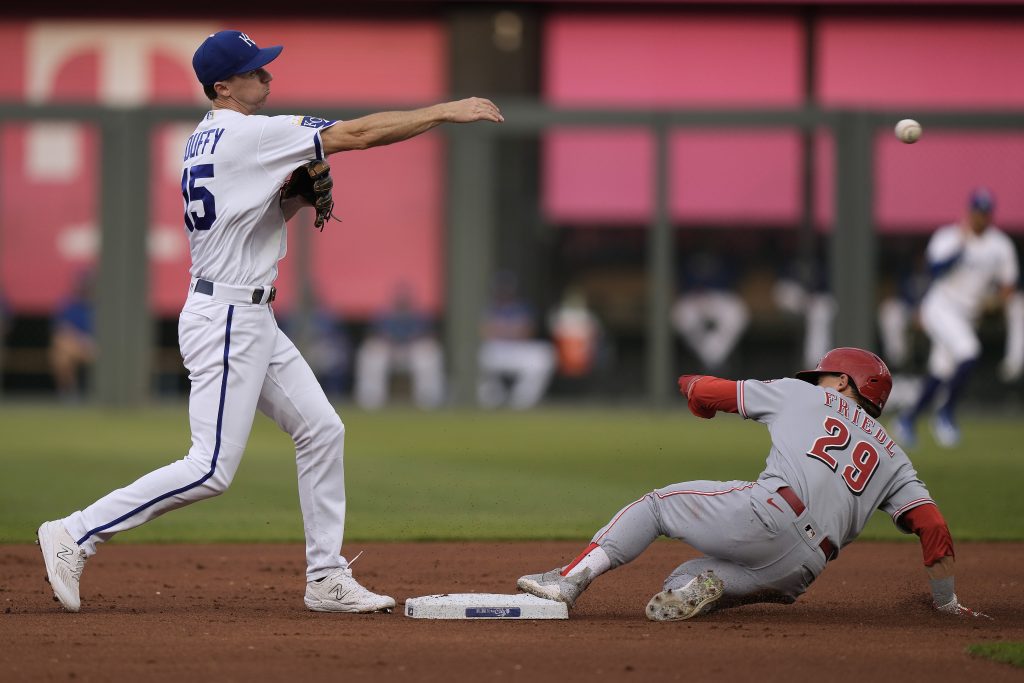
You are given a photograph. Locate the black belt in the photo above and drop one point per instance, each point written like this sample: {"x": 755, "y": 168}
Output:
{"x": 798, "y": 507}
{"x": 206, "y": 287}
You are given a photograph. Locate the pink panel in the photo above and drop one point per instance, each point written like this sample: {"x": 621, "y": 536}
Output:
{"x": 598, "y": 175}
{"x": 672, "y": 60}
{"x": 48, "y": 230}
{"x": 12, "y": 76}
{"x": 921, "y": 62}
{"x": 726, "y": 176}
{"x": 333, "y": 62}
{"x": 177, "y": 80}
{"x": 824, "y": 180}
{"x": 389, "y": 201}
{"x": 669, "y": 60}
{"x": 924, "y": 185}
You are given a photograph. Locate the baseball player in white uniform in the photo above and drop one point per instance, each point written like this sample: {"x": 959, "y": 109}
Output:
{"x": 238, "y": 360}
{"x": 831, "y": 465}
{"x": 967, "y": 260}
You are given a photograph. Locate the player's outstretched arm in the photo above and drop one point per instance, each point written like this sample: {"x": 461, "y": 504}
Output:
{"x": 706, "y": 395}
{"x": 389, "y": 127}
{"x": 937, "y": 548}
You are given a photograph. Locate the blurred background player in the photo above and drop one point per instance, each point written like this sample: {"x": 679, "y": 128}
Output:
{"x": 511, "y": 352}
{"x": 72, "y": 341}
{"x": 967, "y": 261}
{"x": 400, "y": 339}
{"x": 709, "y": 315}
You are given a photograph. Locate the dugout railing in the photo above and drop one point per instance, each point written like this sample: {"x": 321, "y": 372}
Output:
{"x": 123, "y": 319}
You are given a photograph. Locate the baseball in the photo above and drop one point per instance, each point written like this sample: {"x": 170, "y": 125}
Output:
{"x": 908, "y": 131}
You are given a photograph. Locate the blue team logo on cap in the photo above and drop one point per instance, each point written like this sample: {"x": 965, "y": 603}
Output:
{"x": 227, "y": 53}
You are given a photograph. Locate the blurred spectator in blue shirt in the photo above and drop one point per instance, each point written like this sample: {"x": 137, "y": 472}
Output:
{"x": 401, "y": 339}
{"x": 72, "y": 339}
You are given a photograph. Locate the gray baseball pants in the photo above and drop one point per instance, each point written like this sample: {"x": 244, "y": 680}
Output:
{"x": 759, "y": 550}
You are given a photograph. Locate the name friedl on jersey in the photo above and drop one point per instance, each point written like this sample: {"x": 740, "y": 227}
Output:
{"x": 198, "y": 142}
{"x": 860, "y": 419}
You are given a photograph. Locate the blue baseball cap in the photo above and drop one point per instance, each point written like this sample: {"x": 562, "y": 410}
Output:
{"x": 981, "y": 200}
{"x": 227, "y": 53}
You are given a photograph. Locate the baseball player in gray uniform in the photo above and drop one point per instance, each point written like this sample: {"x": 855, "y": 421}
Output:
{"x": 235, "y": 165}
{"x": 831, "y": 464}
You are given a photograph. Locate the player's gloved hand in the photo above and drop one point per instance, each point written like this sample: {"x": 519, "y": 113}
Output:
{"x": 956, "y": 609}
{"x": 310, "y": 184}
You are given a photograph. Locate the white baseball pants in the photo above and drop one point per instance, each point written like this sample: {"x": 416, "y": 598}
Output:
{"x": 422, "y": 359}
{"x": 238, "y": 360}
{"x": 530, "y": 363}
{"x": 952, "y": 335}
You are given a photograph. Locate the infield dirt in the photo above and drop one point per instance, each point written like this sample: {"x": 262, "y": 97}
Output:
{"x": 235, "y": 613}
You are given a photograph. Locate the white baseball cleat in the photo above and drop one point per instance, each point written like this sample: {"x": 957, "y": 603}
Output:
{"x": 945, "y": 431}
{"x": 553, "y": 586}
{"x": 64, "y": 560}
{"x": 695, "y": 598}
{"x": 339, "y": 592}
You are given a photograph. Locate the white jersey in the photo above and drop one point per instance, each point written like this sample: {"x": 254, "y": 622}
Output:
{"x": 234, "y": 167}
{"x": 985, "y": 261}
{"x": 838, "y": 459}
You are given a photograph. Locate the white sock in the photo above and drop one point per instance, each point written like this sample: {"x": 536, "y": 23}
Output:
{"x": 593, "y": 558}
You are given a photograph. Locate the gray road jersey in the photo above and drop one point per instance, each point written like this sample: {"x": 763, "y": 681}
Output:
{"x": 836, "y": 457}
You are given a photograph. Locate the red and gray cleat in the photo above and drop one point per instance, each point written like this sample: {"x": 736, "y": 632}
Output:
{"x": 553, "y": 586}
{"x": 64, "y": 561}
{"x": 695, "y": 598}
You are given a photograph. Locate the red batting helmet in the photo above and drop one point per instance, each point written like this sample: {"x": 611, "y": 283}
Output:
{"x": 866, "y": 371}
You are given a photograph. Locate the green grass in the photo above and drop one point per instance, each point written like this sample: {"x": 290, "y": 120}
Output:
{"x": 558, "y": 473}
{"x": 1007, "y": 653}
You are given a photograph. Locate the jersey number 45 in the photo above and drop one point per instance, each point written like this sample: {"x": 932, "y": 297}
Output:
{"x": 198, "y": 193}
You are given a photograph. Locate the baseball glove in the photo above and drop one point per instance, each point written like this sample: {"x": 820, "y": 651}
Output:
{"x": 310, "y": 184}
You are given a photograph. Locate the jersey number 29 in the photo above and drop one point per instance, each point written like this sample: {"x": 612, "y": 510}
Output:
{"x": 863, "y": 457}
{"x": 197, "y": 193}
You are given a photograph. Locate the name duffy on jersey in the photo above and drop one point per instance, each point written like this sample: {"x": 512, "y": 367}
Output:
{"x": 198, "y": 142}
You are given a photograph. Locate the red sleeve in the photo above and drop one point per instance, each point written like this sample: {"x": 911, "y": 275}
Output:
{"x": 708, "y": 394}
{"x": 926, "y": 521}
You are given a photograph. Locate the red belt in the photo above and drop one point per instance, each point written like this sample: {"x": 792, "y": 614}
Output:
{"x": 798, "y": 507}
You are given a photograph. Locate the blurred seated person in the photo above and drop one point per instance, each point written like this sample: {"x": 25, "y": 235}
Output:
{"x": 576, "y": 333}
{"x": 325, "y": 344}
{"x": 72, "y": 340}
{"x": 400, "y": 340}
{"x": 896, "y": 315}
{"x": 709, "y": 315}
{"x": 815, "y": 305}
{"x": 510, "y": 352}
